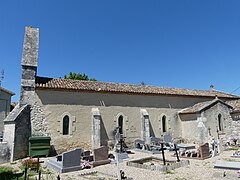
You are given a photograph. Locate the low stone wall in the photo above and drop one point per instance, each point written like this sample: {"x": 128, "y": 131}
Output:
{"x": 170, "y": 164}
{"x": 4, "y": 153}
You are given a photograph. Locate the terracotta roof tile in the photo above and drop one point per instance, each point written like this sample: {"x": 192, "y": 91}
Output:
{"x": 235, "y": 104}
{"x": 7, "y": 91}
{"x": 199, "y": 107}
{"x": 77, "y": 85}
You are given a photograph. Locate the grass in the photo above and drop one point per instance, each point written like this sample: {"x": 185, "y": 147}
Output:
{"x": 169, "y": 172}
{"x": 231, "y": 159}
{"x": 231, "y": 149}
{"x": 6, "y": 172}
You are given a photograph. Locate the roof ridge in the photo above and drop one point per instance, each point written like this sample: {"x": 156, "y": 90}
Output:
{"x": 59, "y": 83}
{"x": 8, "y": 91}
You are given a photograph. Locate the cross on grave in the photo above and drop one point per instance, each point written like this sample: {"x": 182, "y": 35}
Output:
{"x": 209, "y": 131}
{"x": 175, "y": 149}
{"x": 121, "y": 142}
{"x": 218, "y": 133}
{"x": 162, "y": 149}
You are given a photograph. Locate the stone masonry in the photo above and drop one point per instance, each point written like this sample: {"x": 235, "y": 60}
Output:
{"x": 17, "y": 126}
{"x": 29, "y": 65}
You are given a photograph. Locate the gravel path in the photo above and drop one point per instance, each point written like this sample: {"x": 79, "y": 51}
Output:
{"x": 197, "y": 170}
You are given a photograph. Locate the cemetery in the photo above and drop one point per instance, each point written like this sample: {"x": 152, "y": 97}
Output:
{"x": 59, "y": 128}
{"x": 157, "y": 164}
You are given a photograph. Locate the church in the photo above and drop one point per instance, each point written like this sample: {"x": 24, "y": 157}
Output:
{"x": 86, "y": 114}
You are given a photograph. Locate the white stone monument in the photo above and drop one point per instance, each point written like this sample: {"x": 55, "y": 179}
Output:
{"x": 202, "y": 129}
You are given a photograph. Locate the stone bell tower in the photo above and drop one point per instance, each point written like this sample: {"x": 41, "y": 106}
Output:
{"x": 29, "y": 65}
{"x": 17, "y": 125}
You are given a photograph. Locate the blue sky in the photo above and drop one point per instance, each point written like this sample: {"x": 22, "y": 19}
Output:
{"x": 172, "y": 43}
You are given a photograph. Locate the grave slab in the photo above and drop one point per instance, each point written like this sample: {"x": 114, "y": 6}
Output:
{"x": 186, "y": 146}
{"x": 69, "y": 161}
{"x": 227, "y": 165}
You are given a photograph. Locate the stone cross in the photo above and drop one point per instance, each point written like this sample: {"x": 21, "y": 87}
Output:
{"x": 117, "y": 139}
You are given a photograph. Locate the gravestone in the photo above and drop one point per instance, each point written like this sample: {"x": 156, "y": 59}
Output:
{"x": 236, "y": 154}
{"x": 87, "y": 156}
{"x": 100, "y": 156}
{"x": 155, "y": 140}
{"x": 167, "y": 138}
{"x": 70, "y": 161}
{"x": 138, "y": 143}
{"x": 204, "y": 151}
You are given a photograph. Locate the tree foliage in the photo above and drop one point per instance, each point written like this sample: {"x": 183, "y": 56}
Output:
{"x": 79, "y": 76}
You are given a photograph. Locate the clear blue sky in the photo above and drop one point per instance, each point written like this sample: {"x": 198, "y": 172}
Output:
{"x": 173, "y": 43}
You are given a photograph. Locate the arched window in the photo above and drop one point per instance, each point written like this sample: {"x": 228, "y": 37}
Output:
{"x": 164, "y": 124}
{"x": 220, "y": 122}
{"x": 120, "y": 124}
{"x": 66, "y": 125}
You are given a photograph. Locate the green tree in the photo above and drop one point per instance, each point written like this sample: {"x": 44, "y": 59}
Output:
{"x": 79, "y": 76}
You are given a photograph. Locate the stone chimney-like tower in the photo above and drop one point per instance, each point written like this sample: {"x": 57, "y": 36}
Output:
{"x": 29, "y": 65}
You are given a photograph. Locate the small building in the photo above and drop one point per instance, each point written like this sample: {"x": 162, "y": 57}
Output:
{"x": 5, "y": 105}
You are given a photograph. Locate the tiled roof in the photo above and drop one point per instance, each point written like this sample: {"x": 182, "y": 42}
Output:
{"x": 77, "y": 85}
{"x": 7, "y": 91}
{"x": 199, "y": 107}
{"x": 235, "y": 104}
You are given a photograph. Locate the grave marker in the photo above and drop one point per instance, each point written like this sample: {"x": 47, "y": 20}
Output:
{"x": 70, "y": 161}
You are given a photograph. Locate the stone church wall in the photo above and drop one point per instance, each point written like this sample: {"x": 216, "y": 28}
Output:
{"x": 38, "y": 118}
{"x": 189, "y": 123}
{"x": 50, "y": 107}
{"x": 212, "y": 119}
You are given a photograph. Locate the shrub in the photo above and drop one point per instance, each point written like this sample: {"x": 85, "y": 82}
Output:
{"x": 6, "y": 173}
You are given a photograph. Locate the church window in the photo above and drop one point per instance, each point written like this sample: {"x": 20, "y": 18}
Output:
{"x": 164, "y": 124}
{"x": 220, "y": 122}
{"x": 65, "y": 125}
{"x": 120, "y": 124}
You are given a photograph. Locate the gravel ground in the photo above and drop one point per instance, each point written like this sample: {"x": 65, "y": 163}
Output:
{"x": 198, "y": 169}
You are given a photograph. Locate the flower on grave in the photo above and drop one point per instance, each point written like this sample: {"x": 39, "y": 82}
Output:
{"x": 234, "y": 138}
{"x": 86, "y": 165}
{"x": 238, "y": 173}
{"x": 30, "y": 163}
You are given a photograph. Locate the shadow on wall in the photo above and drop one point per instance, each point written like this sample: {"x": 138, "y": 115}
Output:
{"x": 152, "y": 134}
{"x": 103, "y": 134}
